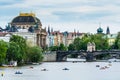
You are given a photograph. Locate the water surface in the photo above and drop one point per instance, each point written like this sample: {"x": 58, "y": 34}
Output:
{"x": 77, "y": 71}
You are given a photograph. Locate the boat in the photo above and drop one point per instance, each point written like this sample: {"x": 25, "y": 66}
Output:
{"x": 65, "y": 69}
{"x": 18, "y": 72}
{"x": 97, "y": 65}
{"x": 44, "y": 69}
{"x": 31, "y": 67}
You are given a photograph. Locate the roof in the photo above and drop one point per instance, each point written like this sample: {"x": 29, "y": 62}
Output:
{"x": 99, "y": 30}
{"x": 26, "y": 19}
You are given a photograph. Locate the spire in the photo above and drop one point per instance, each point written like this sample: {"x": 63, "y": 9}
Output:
{"x": 49, "y": 30}
{"x": 78, "y": 33}
{"x": 108, "y": 30}
{"x": 74, "y": 32}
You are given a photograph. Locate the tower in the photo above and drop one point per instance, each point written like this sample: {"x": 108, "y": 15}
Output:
{"x": 49, "y": 30}
{"x": 108, "y": 30}
{"x": 99, "y": 30}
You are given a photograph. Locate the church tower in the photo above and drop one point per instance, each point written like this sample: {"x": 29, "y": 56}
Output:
{"x": 108, "y": 30}
{"x": 99, "y": 30}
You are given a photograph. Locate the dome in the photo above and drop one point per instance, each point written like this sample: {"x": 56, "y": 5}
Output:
{"x": 27, "y": 18}
{"x": 99, "y": 30}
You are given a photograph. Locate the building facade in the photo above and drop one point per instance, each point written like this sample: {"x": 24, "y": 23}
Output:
{"x": 32, "y": 24}
{"x": 55, "y": 38}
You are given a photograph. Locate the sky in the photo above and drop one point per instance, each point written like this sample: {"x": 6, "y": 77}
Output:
{"x": 66, "y": 15}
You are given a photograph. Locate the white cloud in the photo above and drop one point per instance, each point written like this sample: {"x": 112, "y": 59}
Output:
{"x": 44, "y": 10}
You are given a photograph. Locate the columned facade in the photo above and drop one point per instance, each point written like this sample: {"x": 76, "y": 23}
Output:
{"x": 30, "y": 22}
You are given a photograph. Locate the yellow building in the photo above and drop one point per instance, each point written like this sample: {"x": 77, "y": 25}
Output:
{"x": 111, "y": 38}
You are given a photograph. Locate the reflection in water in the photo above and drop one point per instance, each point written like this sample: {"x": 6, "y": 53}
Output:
{"x": 77, "y": 71}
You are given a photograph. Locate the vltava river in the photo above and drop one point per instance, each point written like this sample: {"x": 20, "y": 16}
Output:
{"x": 77, "y": 71}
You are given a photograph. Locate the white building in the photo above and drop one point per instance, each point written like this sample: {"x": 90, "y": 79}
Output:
{"x": 30, "y": 37}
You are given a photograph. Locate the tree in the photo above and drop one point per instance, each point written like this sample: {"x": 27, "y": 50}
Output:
{"x": 117, "y": 42}
{"x": 84, "y": 42}
{"x": 34, "y": 54}
{"x": 101, "y": 42}
{"x": 53, "y": 48}
{"x": 13, "y": 52}
{"x": 77, "y": 43}
{"x": 71, "y": 47}
{"x": 3, "y": 50}
{"x": 22, "y": 44}
{"x": 99, "y": 39}
{"x": 62, "y": 47}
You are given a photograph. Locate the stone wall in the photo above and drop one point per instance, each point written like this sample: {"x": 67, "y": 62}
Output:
{"x": 49, "y": 56}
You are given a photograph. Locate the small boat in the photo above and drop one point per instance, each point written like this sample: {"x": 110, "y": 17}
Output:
{"x": 31, "y": 67}
{"x": 65, "y": 69}
{"x": 110, "y": 64}
{"x": 102, "y": 68}
{"x": 44, "y": 69}
{"x": 97, "y": 65}
{"x": 18, "y": 72}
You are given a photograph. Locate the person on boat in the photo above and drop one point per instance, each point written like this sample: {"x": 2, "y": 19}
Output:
{"x": 65, "y": 69}
{"x": 97, "y": 65}
{"x": 18, "y": 72}
{"x": 31, "y": 67}
{"x": 43, "y": 69}
{"x": 2, "y": 74}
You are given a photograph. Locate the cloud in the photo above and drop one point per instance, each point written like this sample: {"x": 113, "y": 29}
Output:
{"x": 74, "y": 12}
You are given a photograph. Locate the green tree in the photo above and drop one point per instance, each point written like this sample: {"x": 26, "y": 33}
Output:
{"x": 101, "y": 42}
{"x": 71, "y": 47}
{"x": 34, "y": 54}
{"x": 62, "y": 47}
{"x": 84, "y": 42}
{"x": 117, "y": 42}
{"x": 53, "y": 48}
{"x": 3, "y": 50}
{"x": 77, "y": 43}
{"x": 13, "y": 52}
{"x": 22, "y": 44}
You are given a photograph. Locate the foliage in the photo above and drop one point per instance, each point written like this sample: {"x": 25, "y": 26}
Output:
{"x": 71, "y": 47}
{"x": 3, "y": 50}
{"x": 13, "y": 52}
{"x": 117, "y": 42}
{"x": 99, "y": 39}
{"x": 34, "y": 54}
{"x": 62, "y": 47}
{"x": 22, "y": 44}
{"x": 53, "y": 48}
{"x": 85, "y": 41}
{"x": 77, "y": 43}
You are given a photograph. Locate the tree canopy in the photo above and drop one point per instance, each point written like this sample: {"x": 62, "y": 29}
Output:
{"x": 3, "y": 50}
{"x": 34, "y": 54}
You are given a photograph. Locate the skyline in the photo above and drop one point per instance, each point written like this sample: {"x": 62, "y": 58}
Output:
{"x": 63, "y": 15}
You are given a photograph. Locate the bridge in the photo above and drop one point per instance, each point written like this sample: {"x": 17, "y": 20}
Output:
{"x": 90, "y": 56}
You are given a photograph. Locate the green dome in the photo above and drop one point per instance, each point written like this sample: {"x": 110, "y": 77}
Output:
{"x": 99, "y": 30}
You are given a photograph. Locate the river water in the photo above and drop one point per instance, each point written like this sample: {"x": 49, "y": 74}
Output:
{"x": 77, "y": 71}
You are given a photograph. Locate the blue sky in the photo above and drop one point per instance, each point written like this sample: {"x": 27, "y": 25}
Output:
{"x": 66, "y": 15}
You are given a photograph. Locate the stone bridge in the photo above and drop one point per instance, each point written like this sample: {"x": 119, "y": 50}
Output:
{"x": 90, "y": 56}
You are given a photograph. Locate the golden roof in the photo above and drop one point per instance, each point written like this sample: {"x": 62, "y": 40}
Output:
{"x": 27, "y": 14}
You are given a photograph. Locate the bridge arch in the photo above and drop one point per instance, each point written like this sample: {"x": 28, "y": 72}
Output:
{"x": 62, "y": 55}
{"x": 90, "y": 56}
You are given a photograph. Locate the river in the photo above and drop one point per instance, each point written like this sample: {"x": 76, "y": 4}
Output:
{"x": 77, "y": 71}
